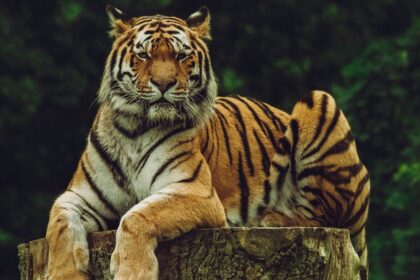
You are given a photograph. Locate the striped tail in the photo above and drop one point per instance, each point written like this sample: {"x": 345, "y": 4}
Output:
{"x": 318, "y": 179}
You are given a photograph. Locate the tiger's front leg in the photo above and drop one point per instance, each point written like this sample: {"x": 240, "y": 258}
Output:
{"x": 66, "y": 236}
{"x": 174, "y": 210}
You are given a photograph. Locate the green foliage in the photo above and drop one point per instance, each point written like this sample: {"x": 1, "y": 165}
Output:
{"x": 70, "y": 10}
{"x": 231, "y": 81}
{"x": 365, "y": 52}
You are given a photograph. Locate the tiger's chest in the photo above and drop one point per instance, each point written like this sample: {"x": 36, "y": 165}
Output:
{"x": 133, "y": 169}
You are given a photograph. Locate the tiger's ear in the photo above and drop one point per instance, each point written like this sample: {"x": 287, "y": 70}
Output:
{"x": 200, "y": 22}
{"x": 119, "y": 21}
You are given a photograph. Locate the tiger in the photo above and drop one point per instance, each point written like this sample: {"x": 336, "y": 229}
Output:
{"x": 166, "y": 155}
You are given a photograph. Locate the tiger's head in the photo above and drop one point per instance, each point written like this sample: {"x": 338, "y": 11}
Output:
{"x": 159, "y": 69}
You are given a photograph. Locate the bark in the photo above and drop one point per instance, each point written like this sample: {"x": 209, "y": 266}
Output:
{"x": 228, "y": 253}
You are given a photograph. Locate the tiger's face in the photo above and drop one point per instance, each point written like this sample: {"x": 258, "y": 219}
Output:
{"x": 159, "y": 68}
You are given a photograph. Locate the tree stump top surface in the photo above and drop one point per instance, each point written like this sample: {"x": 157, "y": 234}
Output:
{"x": 225, "y": 253}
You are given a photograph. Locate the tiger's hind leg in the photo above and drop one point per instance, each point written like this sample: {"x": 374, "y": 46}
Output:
{"x": 317, "y": 179}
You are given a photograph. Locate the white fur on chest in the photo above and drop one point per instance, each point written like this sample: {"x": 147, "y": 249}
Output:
{"x": 140, "y": 160}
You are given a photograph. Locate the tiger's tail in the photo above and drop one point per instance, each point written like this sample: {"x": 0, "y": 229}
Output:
{"x": 317, "y": 178}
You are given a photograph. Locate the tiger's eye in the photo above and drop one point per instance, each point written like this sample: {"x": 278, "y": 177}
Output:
{"x": 181, "y": 56}
{"x": 142, "y": 55}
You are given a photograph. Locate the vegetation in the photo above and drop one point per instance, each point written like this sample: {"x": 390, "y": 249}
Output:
{"x": 365, "y": 52}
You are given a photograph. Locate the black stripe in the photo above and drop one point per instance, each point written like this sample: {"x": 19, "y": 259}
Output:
{"x": 88, "y": 205}
{"x": 243, "y": 185}
{"x": 115, "y": 53}
{"x": 112, "y": 164}
{"x": 319, "y": 194}
{"x": 207, "y": 66}
{"x": 280, "y": 126}
{"x": 254, "y": 114}
{"x": 200, "y": 96}
{"x": 179, "y": 27}
{"x": 244, "y": 136}
{"x": 308, "y": 99}
{"x": 112, "y": 63}
{"x": 174, "y": 21}
{"x": 282, "y": 174}
{"x": 360, "y": 252}
{"x": 338, "y": 148}
{"x": 206, "y": 142}
{"x": 150, "y": 31}
{"x": 326, "y": 135}
{"x": 295, "y": 138}
{"x": 166, "y": 164}
{"x": 219, "y": 101}
{"x": 145, "y": 20}
{"x": 177, "y": 39}
{"x": 225, "y": 135}
{"x": 314, "y": 171}
{"x": 194, "y": 77}
{"x": 358, "y": 231}
{"x": 352, "y": 170}
{"x": 321, "y": 123}
{"x": 145, "y": 39}
{"x": 85, "y": 212}
{"x": 338, "y": 207}
{"x": 131, "y": 134}
{"x": 120, "y": 74}
{"x": 358, "y": 191}
{"x": 97, "y": 191}
{"x": 211, "y": 151}
{"x": 306, "y": 208}
{"x": 345, "y": 194}
{"x": 172, "y": 32}
{"x": 180, "y": 143}
{"x": 341, "y": 175}
{"x": 182, "y": 161}
{"x": 320, "y": 219}
{"x": 267, "y": 190}
{"x": 285, "y": 146}
{"x": 146, "y": 156}
{"x": 141, "y": 26}
{"x": 200, "y": 68}
{"x": 194, "y": 175}
{"x": 363, "y": 208}
{"x": 360, "y": 186}
{"x": 213, "y": 142}
{"x": 272, "y": 138}
{"x": 265, "y": 159}
{"x": 216, "y": 141}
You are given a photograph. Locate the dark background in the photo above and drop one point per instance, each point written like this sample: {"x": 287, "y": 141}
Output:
{"x": 367, "y": 53}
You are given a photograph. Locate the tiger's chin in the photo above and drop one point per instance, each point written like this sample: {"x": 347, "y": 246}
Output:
{"x": 170, "y": 115}
{"x": 165, "y": 114}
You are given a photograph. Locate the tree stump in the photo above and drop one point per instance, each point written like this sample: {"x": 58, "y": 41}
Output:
{"x": 225, "y": 253}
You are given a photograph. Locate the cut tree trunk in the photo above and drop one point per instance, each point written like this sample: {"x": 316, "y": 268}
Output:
{"x": 228, "y": 253}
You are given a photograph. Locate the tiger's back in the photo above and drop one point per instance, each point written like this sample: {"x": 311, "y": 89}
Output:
{"x": 272, "y": 169}
{"x": 238, "y": 143}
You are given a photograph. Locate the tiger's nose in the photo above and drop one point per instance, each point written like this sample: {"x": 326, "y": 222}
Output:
{"x": 163, "y": 85}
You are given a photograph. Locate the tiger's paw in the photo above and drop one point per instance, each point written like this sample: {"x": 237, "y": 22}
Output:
{"x": 81, "y": 258}
{"x": 66, "y": 274}
{"x": 136, "y": 266}
{"x": 132, "y": 269}
{"x": 137, "y": 274}
{"x": 65, "y": 264}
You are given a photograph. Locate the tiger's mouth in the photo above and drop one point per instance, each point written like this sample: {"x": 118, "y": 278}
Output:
{"x": 162, "y": 102}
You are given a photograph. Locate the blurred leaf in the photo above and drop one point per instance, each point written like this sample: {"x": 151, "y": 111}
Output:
{"x": 70, "y": 10}
{"x": 231, "y": 80}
